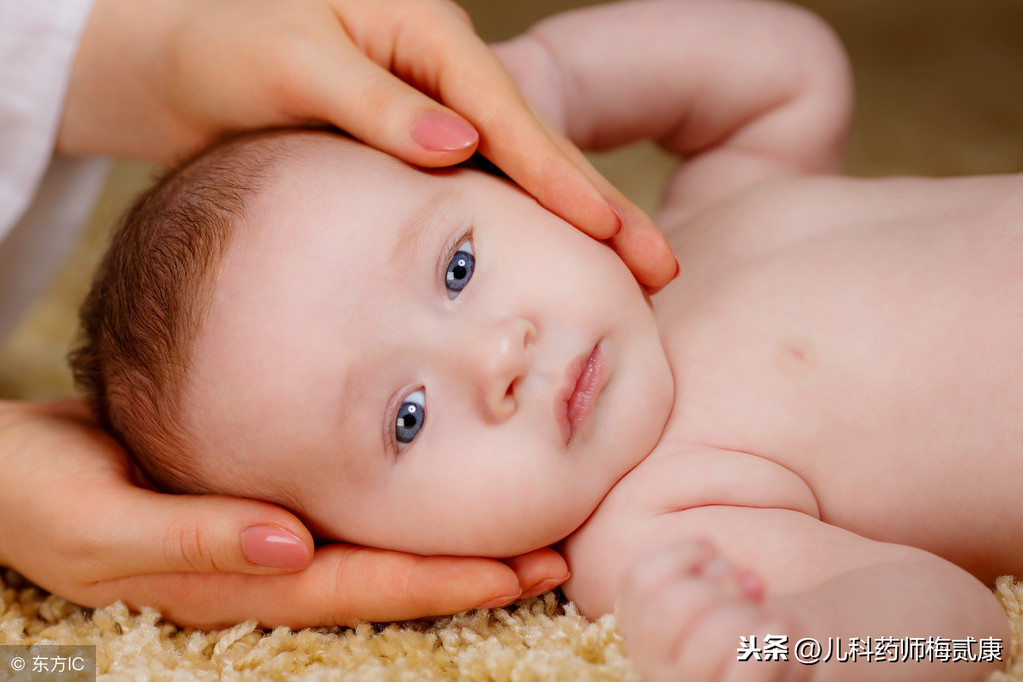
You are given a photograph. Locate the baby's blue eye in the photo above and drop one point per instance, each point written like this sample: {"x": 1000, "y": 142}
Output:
{"x": 411, "y": 417}
{"x": 460, "y": 270}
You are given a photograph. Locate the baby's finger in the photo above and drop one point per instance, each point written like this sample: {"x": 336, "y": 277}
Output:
{"x": 667, "y": 600}
{"x": 657, "y": 622}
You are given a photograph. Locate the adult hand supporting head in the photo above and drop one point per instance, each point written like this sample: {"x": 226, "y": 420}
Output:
{"x": 157, "y": 79}
{"x": 72, "y": 521}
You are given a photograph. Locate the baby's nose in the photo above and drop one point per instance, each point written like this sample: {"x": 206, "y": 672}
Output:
{"x": 499, "y": 359}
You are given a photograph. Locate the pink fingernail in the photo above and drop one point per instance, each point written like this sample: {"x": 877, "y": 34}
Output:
{"x": 440, "y": 133}
{"x": 273, "y": 547}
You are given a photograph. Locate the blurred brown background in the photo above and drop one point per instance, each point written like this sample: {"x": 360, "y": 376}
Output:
{"x": 939, "y": 89}
{"x": 939, "y": 82}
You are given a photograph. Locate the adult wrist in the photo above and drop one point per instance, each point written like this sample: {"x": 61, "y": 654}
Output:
{"x": 116, "y": 104}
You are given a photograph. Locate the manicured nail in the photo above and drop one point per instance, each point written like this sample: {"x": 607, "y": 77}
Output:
{"x": 678, "y": 269}
{"x": 273, "y": 547}
{"x": 500, "y": 601}
{"x": 542, "y": 587}
{"x": 440, "y": 133}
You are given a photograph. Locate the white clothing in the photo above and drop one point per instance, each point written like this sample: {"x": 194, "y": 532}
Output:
{"x": 43, "y": 201}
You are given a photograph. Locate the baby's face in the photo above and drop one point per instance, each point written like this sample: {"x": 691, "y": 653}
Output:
{"x": 427, "y": 362}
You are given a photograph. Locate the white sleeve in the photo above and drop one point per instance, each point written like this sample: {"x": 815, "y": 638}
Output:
{"x": 42, "y": 204}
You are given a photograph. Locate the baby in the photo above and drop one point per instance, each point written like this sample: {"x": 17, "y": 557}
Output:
{"x": 818, "y": 422}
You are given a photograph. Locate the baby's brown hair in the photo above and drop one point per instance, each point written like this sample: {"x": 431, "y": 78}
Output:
{"x": 150, "y": 295}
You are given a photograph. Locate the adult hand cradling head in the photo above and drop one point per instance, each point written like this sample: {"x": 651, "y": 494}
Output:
{"x": 159, "y": 80}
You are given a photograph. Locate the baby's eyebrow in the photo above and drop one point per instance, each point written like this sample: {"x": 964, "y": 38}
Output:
{"x": 410, "y": 234}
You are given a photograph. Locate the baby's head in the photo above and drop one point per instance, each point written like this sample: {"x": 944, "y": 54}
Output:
{"x": 422, "y": 361}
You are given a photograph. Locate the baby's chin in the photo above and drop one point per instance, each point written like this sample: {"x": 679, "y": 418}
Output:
{"x": 484, "y": 535}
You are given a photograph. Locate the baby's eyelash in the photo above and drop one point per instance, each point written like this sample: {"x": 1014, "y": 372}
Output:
{"x": 449, "y": 251}
{"x": 393, "y": 413}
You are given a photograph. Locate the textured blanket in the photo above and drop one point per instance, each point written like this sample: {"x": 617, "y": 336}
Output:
{"x": 542, "y": 638}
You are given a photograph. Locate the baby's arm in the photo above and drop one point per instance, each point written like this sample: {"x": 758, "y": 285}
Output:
{"x": 744, "y": 90}
{"x": 685, "y": 610}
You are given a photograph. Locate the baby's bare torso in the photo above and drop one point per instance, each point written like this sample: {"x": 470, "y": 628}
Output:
{"x": 849, "y": 349}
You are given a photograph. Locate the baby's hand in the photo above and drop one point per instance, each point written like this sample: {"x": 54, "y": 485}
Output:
{"x": 683, "y": 611}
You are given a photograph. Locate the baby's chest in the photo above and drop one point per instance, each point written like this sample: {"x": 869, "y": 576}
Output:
{"x": 879, "y": 361}
{"x": 860, "y": 324}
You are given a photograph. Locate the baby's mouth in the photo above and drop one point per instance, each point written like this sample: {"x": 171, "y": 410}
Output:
{"x": 577, "y": 397}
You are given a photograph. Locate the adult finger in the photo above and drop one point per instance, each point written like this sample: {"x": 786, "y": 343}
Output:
{"x": 388, "y": 114}
{"x": 468, "y": 78}
{"x": 344, "y": 585}
{"x": 643, "y": 248}
{"x": 373, "y": 105}
{"x": 144, "y": 532}
{"x": 539, "y": 571}
{"x": 519, "y": 141}
{"x": 639, "y": 243}
{"x": 112, "y": 528}
{"x": 440, "y": 55}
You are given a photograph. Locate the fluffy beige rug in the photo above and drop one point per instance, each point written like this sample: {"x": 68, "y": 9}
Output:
{"x": 537, "y": 639}
{"x": 932, "y": 100}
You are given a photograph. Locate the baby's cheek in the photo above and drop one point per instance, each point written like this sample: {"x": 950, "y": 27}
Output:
{"x": 534, "y": 514}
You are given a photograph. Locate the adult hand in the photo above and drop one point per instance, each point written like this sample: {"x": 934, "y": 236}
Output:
{"x": 158, "y": 79}
{"x": 72, "y": 521}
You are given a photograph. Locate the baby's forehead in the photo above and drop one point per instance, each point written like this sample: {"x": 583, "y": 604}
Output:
{"x": 300, "y": 157}
{"x": 331, "y": 197}
{"x": 302, "y": 171}
{"x": 324, "y": 183}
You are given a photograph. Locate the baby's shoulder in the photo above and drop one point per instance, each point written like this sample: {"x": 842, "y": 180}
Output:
{"x": 648, "y": 505}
